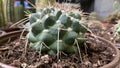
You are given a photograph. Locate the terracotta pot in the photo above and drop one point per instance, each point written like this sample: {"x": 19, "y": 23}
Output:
{"x": 5, "y": 66}
{"x": 114, "y": 63}
{"x": 13, "y": 34}
{"x": 108, "y": 25}
{"x": 10, "y": 29}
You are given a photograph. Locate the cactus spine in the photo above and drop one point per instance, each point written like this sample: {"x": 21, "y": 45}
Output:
{"x": 52, "y": 29}
{"x": 44, "y": 3}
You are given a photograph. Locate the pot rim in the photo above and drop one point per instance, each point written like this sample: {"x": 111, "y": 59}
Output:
{"x": 5, "y": 65}
{"x": 116, "y": 59}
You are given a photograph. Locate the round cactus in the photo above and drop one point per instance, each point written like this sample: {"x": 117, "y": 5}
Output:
{"x": 53, "y": 29}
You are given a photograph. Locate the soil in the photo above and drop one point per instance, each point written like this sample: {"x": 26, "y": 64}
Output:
{"x": 94, "y": 54}
{"x": 17, "y": 54}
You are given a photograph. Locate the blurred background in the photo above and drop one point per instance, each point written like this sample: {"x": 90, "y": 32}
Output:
{"x": 13, "y": 11}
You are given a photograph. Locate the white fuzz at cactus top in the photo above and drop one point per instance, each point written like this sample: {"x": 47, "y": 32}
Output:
{"x": 46, "y": 16}
{"x": 59, "y": 41}
{"x": 72, "y": 18}
{"x": 38, "y": 20}
{"x": 39, "y": 13}
{"x": 46, "y": 30}
{"x": 30, "y": 15}
{"x": 58, "y": 21}
{"x": 69, "y": 29}
{"x": 62, "y": 11}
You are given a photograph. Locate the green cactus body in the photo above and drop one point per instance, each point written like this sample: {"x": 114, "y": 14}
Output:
{"x": 71, "y": 49}
{"x": 45, "y": 37}
{"x": 10, "y": 10}
{"x": 76, "y": 26}
{"x": 57, "y": 29}
{"x": 37, "y": 28}
{"x": 19, "y": 12}
{"x": 54, "y": 31}
{"x": 2, "y": 16}
{"x": 70, "y": 37}
{"x": 31, "y": 37}
{"x": 62, "y": 45}
{"x": 48, "y": 21}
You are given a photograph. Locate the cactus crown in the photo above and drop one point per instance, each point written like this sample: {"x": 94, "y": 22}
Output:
{"x": 53, "y": 29}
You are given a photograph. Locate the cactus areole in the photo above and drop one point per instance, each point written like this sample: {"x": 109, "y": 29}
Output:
{"x": 52, "y": 29}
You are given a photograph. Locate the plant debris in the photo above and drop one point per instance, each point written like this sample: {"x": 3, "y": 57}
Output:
{"x": 13, "y": 53}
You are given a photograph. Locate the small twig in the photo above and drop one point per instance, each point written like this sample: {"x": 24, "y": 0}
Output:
{"x": 45, "y": 45}
{"x": 22, "y": 33}
{"x": 9, "y": 39}
{"x": 2, "y": 49}
{"x": 58, "y": 43}
{"x": 64, "y": 53}
{"x": 19, "y": 22}
{"x": 31, "y": 4}
{"x": 22, "y": 23}
{"x": 26, "y": 44}
{"x": 114, "y": 37}
{"x": 40, "y": 49}
{"x": 5, "y": 66}
{"x": 86, "y": 48}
